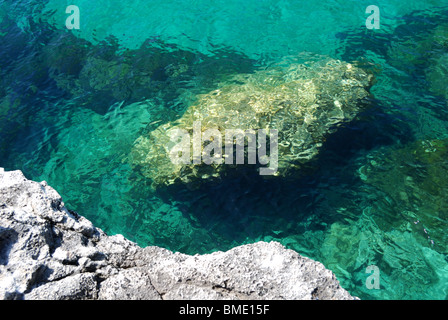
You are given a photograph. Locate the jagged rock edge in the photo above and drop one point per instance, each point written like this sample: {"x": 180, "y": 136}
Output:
{"x": 32, "y": 267}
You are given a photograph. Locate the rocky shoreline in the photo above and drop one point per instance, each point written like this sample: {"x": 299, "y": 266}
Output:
{"x": 48, "y": 252}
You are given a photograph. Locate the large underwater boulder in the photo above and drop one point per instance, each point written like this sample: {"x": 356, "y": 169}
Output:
{"x": 296, "y": 105}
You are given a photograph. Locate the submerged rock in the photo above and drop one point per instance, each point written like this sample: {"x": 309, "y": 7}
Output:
{"x": 415, "y": 179}
{"x": 301, "y": 102}
{"x": 437, "y": 72}
{"x": 50, "y": 252}
{"x": 437, "y": 75}
{"x": 428, "y": 52}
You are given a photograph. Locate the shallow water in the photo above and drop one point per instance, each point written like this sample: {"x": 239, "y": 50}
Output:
{"x": 375, "y": 195}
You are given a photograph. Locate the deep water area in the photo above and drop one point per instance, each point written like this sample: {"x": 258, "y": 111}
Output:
{"x": 74, "y": 102}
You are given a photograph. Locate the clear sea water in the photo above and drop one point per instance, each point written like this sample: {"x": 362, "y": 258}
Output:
{"x": 72, "y": 103}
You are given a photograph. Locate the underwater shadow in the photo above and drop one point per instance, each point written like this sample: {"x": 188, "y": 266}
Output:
{"x": 248, "y": 207}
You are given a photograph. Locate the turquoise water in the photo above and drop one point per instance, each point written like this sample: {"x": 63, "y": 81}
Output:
{"x": 74, "y": 102}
